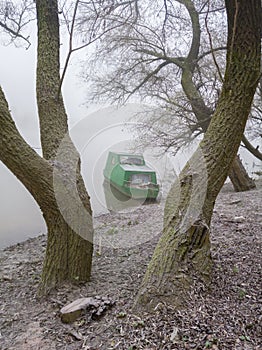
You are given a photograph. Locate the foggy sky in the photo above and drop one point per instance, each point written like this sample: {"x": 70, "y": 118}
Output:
{"x": 20, "y": 217}
{"x": 19, "y": 214}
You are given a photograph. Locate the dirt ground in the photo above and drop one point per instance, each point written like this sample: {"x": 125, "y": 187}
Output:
{"x": 228, "y": 316}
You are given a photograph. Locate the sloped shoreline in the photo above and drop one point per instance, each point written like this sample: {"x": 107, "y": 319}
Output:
{"x": 228, "y": 316}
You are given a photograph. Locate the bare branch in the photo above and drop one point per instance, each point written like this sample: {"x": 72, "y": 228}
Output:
{"x": 210, "y": 52}
{"x": 251, "y": 148}
{"x": 15, "y": 34}
{"x": 178, "y": 61}
{"x": 149, "y": 76}
{"x": 71, "y": 32}
{"x": 211, "y": 45}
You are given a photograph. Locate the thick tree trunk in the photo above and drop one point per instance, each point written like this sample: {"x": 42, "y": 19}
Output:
{"x": 55, "y": 182}
{"x": 240, "y": 179}
{"x": 69, "y": 250}
{"x": 68, "y": 239}
{"x": 238, "y": 174}
{"x": 182, "y": 256}
{"x": 67, "y": 258}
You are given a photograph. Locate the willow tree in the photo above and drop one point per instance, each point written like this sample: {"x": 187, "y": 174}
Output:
{"x": 182, "y": 256}
{"x": 164, "y": 53}
{"x": 62, "y": 198}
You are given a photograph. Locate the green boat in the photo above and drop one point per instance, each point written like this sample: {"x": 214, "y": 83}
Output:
{"x": 130, "y": 175}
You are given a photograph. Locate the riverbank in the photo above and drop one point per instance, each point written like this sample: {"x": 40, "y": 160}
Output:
{"x": 228, "y": 317}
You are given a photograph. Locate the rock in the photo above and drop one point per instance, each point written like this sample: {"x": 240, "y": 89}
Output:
{"x": 72, "y": 311}
{"x": 239, "y": 219}
{"x": 95, "y": 306}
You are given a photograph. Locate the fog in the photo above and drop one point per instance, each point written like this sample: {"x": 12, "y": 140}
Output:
{"x": 20, "y": 217}
{"x": 94, "y": 130}
{"x": 94, "y": 135}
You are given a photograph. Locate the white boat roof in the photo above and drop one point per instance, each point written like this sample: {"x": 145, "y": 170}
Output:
{"x": 133, "y": 155}
{"x": 139, "y": 168}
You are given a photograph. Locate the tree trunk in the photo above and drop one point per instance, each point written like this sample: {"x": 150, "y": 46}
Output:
{"x": 67, "y": 258}
{"x": 55, "y": 182}
{"x": 51, "y": 110}
{"x": 75, "y": 244}
{"x": 238, "y": 174}
{"x": 182, "y": 256}
{"x": 69, "y": 246}
{"x": 239, "y": 177}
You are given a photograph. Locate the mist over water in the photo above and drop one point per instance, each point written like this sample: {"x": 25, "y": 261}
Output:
{"x": 94, "y": 136}
{"x": 20, "y": 217}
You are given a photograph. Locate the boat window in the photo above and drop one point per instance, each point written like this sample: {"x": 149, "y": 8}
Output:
{"x": 113, "y": 160}
{"x": 138, "y": 179}
{"x": 131, "y": 160}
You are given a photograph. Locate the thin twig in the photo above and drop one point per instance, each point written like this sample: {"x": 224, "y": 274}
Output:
{"x": 70, "y": 49}
{"x": 211, "y": 45}
{"x": 15, "y": 34}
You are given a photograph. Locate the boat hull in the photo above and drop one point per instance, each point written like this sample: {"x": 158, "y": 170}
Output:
{"x": 136, "y": 192}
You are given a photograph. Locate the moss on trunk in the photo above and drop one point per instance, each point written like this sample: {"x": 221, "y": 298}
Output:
{"x": 182, "y": 256}
{"x": 239, "y": 177}
{"x": 69, "y": 249}
{"x": 68, "y": 256}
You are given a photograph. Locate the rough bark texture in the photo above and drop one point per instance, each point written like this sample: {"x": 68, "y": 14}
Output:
{"x": 71, "y": 251}
{"x": 182, "y": 255}
{"x": 57, "y": 175}
{"x": 238, "y": 174}
{"x": 51, "y": 110}
{"x": 240, "y": 179}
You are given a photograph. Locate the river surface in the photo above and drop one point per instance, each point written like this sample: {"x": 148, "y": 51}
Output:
{"x": 94, "y": 136}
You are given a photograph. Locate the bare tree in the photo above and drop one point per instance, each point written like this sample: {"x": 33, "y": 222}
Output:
{"x": 70, "y": 231}
{"x": 55, "y": 180}
{"x": 166, "y": 57}
{"x": 182, "y": 257}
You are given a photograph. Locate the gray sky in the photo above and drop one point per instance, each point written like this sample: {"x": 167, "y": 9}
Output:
{"x": 20, "y": 217}
{"x": 19, "y": 214}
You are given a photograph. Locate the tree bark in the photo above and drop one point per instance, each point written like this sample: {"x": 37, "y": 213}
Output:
{"x": 182, "y": 256}
{"x": 240, "y": 179}
{"x": 67, "y": 258}
{"x": 238, "y": 174}
{"x": 54, "y": 181}
{"x": 69, "y": 252}
{"x": 54, "y": 130}
{"x": 51, "y": 110}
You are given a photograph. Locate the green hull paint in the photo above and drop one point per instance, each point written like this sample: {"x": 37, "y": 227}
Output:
{"x": 131, "y": 176}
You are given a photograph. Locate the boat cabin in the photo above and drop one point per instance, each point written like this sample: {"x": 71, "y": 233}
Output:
{"x": 129, "y": 174}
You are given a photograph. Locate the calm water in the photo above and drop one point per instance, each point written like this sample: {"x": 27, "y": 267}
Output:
{"x": 20, "y": 217}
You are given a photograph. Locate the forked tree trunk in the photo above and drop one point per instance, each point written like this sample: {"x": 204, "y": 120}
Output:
{"x": 70, "y": 227}
{"x": 54, "y": 181}
{"x": 238, "y": 174}
{"x": 69, "y": 244}
{"x": 182, "y": 256}
{"x": 240, "y": 179}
